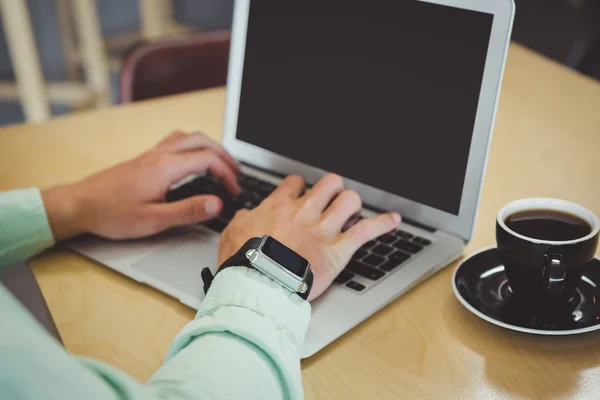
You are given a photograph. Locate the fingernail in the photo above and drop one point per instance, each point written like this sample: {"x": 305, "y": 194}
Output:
{"x": 211, "y": 206}
{"x": 396, "y": 217}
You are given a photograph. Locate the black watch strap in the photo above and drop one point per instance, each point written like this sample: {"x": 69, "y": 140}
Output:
{"x": 239, "y": 260}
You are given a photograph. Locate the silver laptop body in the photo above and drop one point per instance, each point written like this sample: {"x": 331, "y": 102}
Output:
{"x": 410, "y": 88}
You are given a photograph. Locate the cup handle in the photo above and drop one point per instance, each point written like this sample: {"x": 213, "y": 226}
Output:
{"x": 555, "y": 273}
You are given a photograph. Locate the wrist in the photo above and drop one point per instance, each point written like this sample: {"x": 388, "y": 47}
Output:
{"x": 273, "y": 259}
{"x": 63, "y": 208}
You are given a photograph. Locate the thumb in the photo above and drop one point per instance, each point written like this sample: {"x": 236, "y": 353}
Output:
{"x": 189, "y": 211}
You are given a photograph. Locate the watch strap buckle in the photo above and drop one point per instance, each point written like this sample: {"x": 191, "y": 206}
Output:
{"x": 207, "y": 278}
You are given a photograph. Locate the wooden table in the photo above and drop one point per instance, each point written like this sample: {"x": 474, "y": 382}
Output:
{"x": 422, "y": 346}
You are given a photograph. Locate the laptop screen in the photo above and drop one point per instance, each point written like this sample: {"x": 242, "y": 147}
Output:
{"x": 383, "y": 92}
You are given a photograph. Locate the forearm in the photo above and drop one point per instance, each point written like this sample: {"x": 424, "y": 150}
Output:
{"x": 244, "y": 343}
{"x": 24, "y": 229}
{"x": 219, "y": 366}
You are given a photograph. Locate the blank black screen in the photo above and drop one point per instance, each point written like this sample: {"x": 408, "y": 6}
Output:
{"x": 384, "y": 92}
{"x": 284, "y": 256}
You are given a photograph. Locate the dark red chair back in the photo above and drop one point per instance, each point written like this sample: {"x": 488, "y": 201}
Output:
{"x": 176, "y": 65}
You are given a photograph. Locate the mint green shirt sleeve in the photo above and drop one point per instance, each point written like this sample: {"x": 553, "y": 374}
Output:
{"x": 24, "y": 229}
{"x": 243, "y": 343}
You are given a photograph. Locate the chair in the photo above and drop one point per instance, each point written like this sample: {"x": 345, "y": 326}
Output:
{"x": 157, "y": 20}
{"x": 170, "y": 66}
{"x": 30, "y": 86}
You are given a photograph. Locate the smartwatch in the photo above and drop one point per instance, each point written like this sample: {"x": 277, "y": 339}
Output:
{"x": 272, "y": 258}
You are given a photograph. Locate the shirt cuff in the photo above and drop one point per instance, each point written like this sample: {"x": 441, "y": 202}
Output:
{"x": 24, "y": 228}
{"x": 249, "y": 289}
{"x": 253, "y": 307}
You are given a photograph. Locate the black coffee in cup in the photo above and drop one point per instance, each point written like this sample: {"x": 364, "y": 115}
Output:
{"x": 545, "y": 246}
{"x": 548, "y": 225}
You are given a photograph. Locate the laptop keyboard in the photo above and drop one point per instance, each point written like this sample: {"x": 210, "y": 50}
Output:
{"x": 374, "y": 261}
{"x": 253, "y": 192}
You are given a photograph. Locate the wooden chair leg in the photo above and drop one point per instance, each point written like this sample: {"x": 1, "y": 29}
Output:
{"x": 156, "y": 15}
{"x": 67, "y": 40}
{"x": 94, "y": 57}
{"x": 25, "y": 60}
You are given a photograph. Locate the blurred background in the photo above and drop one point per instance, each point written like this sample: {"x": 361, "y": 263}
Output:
{"x": 86, "y": 51}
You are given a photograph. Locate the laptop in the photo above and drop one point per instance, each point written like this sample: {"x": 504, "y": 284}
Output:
{"x": 397, "y": 97}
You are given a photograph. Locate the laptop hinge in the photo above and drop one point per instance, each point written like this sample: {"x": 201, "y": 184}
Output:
{"x": 268, "y": 171}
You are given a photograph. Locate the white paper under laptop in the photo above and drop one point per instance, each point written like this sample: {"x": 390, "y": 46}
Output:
{"x": 398, "y": 97}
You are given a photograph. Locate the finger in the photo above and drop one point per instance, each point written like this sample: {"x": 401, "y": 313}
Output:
{"x": 319, "y": 197}
{"x": 367, "y": 229}
{"x": 197, "y": 141}
{"x": 189, "y": 211}
{"x": 345, "y": 205}
{"x": 292, "y": 186}
{"x": 200, "y": 161}
{"x": 170, "y": 138}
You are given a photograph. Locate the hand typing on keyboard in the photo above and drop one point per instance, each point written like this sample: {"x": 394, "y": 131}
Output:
{"x": 372, "y": 261}
{"x": 127, "y": 201}
{"x": 311, "y": 224}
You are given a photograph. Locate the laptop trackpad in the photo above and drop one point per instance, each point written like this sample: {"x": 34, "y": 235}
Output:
{"x": 175, "y": 269}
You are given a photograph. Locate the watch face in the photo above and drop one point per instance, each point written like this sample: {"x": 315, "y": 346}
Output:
{"x": 285, "y": 257}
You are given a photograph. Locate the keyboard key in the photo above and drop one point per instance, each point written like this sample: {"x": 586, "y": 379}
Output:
{"x": 403, "y": 234}
{"x": 421, "y": 241}
{"x": 227, "y": 213}
{"x": 343, "y": 277}
{"x": 198, "y": 183}
{"x": 242, "y": 179}
{"x": 373, "y": 260}
{"x": 256, "y": 198}
{"x": 211, "y": 178}
{"x": 360, "y": 253}
{"x": 244, "y": 197}
{"x": 266, "y": 188}
{"x": 408, "y": 246}
{"x": 200, "y": 186}
{"x": 387, "y": 238}
{"x": 250, "y": 197}
{"x": 400, "y": 256}
{"x": 382, "y": 250}
{"x": 216, "y": 224}
{"x": 364, "y": 270}
{"x": 391, "y": 265}
{"x": 175, "y": 195}
{"x": 368, "y": 245}
{"x": 355, "y": 286}
{"x": 245, "y": 200}
{"x": 249, "y": 183}
{"x": 202, "y": 181}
